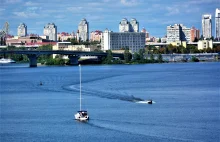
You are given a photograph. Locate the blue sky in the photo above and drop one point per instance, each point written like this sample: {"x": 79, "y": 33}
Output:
{"x": 154, "y": 15}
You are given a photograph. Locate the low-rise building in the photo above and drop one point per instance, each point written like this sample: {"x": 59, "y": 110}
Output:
{"x": 163, "y": 40}
{"x": 28, "y": 41}
{"x": 122, "y": 40}
{"x": 96, "y": 35}
{"x": 68, "y": 46}
{"x": 63, "y": 36}
{"x": 202, "y": 44}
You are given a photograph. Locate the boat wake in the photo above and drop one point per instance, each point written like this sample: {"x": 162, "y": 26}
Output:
{"x": 108, "y": 95}
{"x": 145, "y": 102}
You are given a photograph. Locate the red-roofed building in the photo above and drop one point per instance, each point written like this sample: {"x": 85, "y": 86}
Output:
{"x": 96, "y": 35}
{"x": 63, "y": 36}
{"x": 28, "y": 41}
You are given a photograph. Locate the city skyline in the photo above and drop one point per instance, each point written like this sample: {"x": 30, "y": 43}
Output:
{"x": 154, "y": 16}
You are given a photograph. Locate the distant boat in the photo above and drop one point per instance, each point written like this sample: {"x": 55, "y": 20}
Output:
{"x": 41, "y": 83}
{"x": 149, "y": 101}
{"x": 5, "y": 61}
{"x": 81, "y": 115}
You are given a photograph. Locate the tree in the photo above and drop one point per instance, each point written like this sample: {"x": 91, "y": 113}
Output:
{"x": 162, "y": 50}
{"x": 170, "y": 48}
{"x": 59, "y": 39}
{"x": 45, "y": 47}
{"x": 127, "y": 56}
{"x": 141, "y": 54}
{"x": 109, "y": 58}
{"x": 1, "y": 41}
{"x": 196, "y": 39}
{"x": 209, "y": 50}
{"x": 192, "y": 49}
{"x": 160, "y": 58}
{"x": 74, "y": 41}
{"x": 216, "y": 48}
{"x": 194, "y": 59}
{"x": 159, "y": 40}
{"x": 136, "y": 57}
{"x": 152, "y": 58}
{"x": 201, "y": 38}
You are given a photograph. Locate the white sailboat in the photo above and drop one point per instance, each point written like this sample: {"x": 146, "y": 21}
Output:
{"x": 81, "y": 115}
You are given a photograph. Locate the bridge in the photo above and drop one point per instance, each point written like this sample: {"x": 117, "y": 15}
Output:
{"x": 189, "y": 43}
{"x": 72, "y": 55}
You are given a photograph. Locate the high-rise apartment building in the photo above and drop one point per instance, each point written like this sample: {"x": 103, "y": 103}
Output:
{"x": 185, "y": 33}
{"x": 173, "y": 33}
{"x": 217, "y": 23}
{"x": 194, "y": 34}
{"x": 207, "y": 26}
{"x": 126, "y": 26}
{"x": 134, "y": 25}
{"x": 22, "y": 30}
{"x": 83, "y": 30}
{"x": 50, "y": 30}
{"x": 177, "y": 33}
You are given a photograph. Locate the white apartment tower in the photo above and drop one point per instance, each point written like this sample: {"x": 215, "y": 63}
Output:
{"x": 83, "y": 30}
{"x": 126, "y": 26}
{"x": 134, "y": 25}
{"x": 177, "y": 33}
{"x": 207, "y": 26}
{"x": 50, "y": 30}
{"x": 185, "y": 34}
{"x": 217, "y": 23}
{"x": 173, "y": 33}
{"x": 22, "y": 30}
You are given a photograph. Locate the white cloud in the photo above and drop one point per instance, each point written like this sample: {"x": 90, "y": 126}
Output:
{"x": 30, "y": 3}
{"x": 94, "y": 4}
{"x": 172, "y": 10}
{"x": 1, "y": 9}
{"x": 203, "y": 1}
{"x": 106, "y": 0}
{"x": 94, "y": 17}
{"x": 26, "y": 14}
{"x": 13, "y": 1}
{"x": 74, "y": 9}
{"x": 59, "y": 16}
{"x": 129, "y": 2}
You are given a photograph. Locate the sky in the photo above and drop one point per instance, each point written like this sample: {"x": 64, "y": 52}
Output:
{"x": 153, "y": 15}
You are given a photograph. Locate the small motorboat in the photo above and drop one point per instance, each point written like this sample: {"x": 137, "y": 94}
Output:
{"x": 41, "y": 83}
{"x": 4, "y": 61}
{"x": 149, "y": 101}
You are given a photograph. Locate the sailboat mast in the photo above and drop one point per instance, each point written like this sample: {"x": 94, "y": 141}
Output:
{"x": 80, "y": 84}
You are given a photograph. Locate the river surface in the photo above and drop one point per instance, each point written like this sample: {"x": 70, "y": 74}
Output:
{"x": 186, "y": 103}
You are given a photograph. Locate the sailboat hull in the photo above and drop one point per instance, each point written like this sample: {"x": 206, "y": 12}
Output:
{"x": 80, "y": 117}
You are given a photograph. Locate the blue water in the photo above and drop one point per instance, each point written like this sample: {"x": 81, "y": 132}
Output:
{"x": 186, "y": 108}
